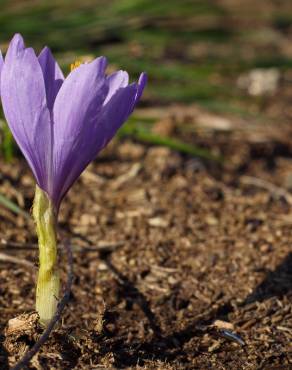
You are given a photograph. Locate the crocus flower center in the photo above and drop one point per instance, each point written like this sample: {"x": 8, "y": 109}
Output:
{"x": 75, "y": 65}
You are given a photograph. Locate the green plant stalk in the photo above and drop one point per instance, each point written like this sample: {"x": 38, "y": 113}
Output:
{"x": 48, "y": 281}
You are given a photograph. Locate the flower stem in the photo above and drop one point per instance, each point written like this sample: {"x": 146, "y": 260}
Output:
{"x": 48, "y": 282}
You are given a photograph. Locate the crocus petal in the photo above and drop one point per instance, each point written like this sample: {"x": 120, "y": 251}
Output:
{"x": 115, "y": 112}
{"x": 116, "y": 81}
{"x": 1, "y": 65}
{"x": 24, "y": 103}
{"x": 77, "y": 107}
{"x": 141, "y": 85}
{"x": 112, "y": 116}
{"x": 1, "y": 60}
{"x": 53, "y": 75}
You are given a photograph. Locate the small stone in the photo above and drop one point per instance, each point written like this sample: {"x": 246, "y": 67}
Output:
{"x": 220, "y": 324}
{"x": 214, "y": 122}
{"x": 87, "y": 219}
{"x": 260, "y": 81}
{"x": 158, "y": 222}
{"x": 266, "y": 248}
{"x": 215, "y": 345}
{"x": 22, "y": 324}
{"x": 212, "y": 221}
{"x": 164, "y": 127}
{"x": 129, "y": 150}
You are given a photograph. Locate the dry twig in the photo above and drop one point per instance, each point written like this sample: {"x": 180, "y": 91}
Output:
{"x": 7, "y": 258}
{"x": 273, "y": 189}
{"x": 101, "y": 246}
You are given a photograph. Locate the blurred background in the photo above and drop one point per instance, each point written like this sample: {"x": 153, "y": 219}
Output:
{"x": 228, "y": 57}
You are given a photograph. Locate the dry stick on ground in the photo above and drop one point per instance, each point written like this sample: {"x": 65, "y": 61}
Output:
{"x": 100, "y": 247}
{"x": 275, "y": 190}
{"x": 33, "y": 351}
{"x": 7, "y": 258}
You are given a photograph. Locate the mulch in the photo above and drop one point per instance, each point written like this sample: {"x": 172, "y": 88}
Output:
{"x": 179, "y": 263}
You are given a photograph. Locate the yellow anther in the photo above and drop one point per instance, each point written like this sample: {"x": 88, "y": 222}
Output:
{"x": 75, "y": 65}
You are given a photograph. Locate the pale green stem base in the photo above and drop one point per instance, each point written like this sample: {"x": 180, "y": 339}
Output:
{"x": 48, "y": 281}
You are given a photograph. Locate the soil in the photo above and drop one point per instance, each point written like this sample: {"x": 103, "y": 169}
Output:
{"x": 179, "y": 263}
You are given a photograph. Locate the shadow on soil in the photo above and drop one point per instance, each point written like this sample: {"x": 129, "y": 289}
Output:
{"x": 167, "y": 348}
{"x": 161, "y": 347}
{"x": 276, "y": 284}
{"x": 130, "y": 291}
{"x": 3, "y": 355}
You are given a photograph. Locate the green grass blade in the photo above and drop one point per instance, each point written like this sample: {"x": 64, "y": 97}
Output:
{"x": 178, "y": 145}
{"x": 7, "y": 203}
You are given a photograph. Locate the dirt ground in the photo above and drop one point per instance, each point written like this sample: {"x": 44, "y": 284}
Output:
{"x": 184, "y": 263}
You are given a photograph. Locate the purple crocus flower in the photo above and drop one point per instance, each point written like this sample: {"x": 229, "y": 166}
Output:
{"x": 62, "y": 124}
{"x": 1, "y": 65}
